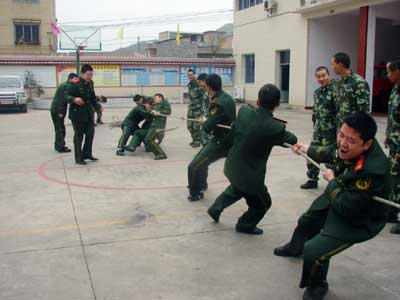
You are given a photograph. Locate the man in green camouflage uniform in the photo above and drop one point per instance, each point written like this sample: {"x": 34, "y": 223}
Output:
{"x": 132, "y": 121}
{"x": 82, "y": 104}
{"x": 345, "y": 213}
{"x": 99, "y": 110}
{"x": 157, "y": 127}
{"x": 205, "y": 137}
{"x": 195, "y": 109}
{"x": 393, "y": 139}
{"x": 58, "y": 111}
{"x": 351, "y": 92}
{"x": 324, "y": 120}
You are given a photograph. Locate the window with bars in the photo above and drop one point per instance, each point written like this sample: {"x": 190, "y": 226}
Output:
{"x": 27, "y": 33}
{"x": 249, "y": 68}
{"x": 243, "y": 4}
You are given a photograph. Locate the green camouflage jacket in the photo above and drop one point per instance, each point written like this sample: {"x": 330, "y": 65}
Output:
{"x": 324, "y": 115}
{"x": 163, "y": 108}
{"x": 206, "y": 103}
{"x": 351, "y": 95}
{"x": 196, "y": 96}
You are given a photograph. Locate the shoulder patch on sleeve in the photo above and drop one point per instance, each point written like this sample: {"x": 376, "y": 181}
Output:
{"x": 363, "y": 184}
{"x": 360, "y": 164}
{"x": 335, "y": 192}
{"x": 213, "y": 110}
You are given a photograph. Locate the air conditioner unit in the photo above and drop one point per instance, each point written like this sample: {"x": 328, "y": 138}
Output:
{"x": 310, "y": 2}
{"x": 270, "y": 6}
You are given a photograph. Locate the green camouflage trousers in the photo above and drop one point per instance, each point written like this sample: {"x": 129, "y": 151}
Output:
{"x": 313, "y": 171}
{"x": 149, "y": 137}
{"x": 395, "y": 184}
{"x": 194, "y": 127}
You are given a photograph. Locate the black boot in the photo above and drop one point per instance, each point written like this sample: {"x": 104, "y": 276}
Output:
{"x": 160, "y": 156}
{"x": 286, "y": 251}
{"x": 91, "y": 157}
{"x": 310, "y": 184}
{"x": 395, "y": 229}
{"x": 120, "y": 152}
{"x": 316, "y": 292}
{"x": 393, "y": 215}
{"x": 195, "y": 197}
{"x": 130, "y": 148}
{"x": 214, "y": 214}
{"x": 195, "y": 145}
{"x": 255, "y": 230}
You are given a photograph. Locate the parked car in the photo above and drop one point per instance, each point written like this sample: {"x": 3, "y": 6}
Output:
{"x": 12, "y": 93}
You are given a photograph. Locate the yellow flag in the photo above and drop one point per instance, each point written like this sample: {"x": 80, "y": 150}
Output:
{"x": 120, "y": 34}
{"x": 178, "y": 37}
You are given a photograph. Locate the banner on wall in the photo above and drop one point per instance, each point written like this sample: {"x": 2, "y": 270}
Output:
{"x": 148, "y": 77}
{"x": 106, "y": 75}
{"x": 226, "y": 74}
{"x": 63, "y": 72}
{"x": 103, "y": 75}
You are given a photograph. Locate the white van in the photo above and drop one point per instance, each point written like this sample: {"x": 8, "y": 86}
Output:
{"x": 12, "y": 93}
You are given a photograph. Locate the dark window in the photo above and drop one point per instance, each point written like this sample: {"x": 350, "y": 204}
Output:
{"x": 27, "y": 33}
{"x": 250, "y": 64}
{"x": 243, "y": 4}
{"x": 285, "y": 57}
{"x": 284, "y": 61}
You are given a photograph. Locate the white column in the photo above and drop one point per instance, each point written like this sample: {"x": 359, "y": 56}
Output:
{"x": 370, "y": 60}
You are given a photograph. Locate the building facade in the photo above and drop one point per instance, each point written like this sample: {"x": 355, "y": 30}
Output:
{"x": 210, "y": 44}
{"x": 284, "y": 41}
{"x": 120, "y": 77}
{"x": 25, "y": 27}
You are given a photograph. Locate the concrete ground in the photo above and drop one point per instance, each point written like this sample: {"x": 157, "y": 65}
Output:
{"x": 121, "y": 228}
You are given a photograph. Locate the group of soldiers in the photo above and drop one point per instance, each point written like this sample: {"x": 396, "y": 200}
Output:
{"x": 146, "y": 124}
{"x": 335, "y": 99}
{"x": 343, "y": 139}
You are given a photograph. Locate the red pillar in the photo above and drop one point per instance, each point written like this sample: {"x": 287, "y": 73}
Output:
{"x": 362, "y": 41}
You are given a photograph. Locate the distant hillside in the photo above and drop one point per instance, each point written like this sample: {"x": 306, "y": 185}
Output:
{"x": 228, "y": 28}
